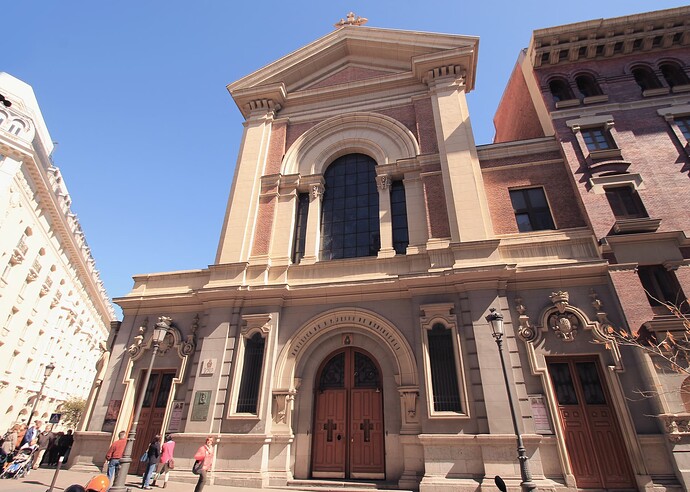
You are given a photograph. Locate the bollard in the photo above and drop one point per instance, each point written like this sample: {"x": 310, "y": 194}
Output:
{"x": 52, "y": 484}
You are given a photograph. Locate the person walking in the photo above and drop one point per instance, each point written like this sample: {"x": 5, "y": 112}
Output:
{"x": 114, "y": 455}
{"x": 65, "y": 444}
{"x": 10, "y": 442}
{"x": 205, "y": 455}
{"x": 31, "y": 433}
{"x": 167, "y": 462}
{"x": 152, "y": 460}
{"x": 46, "y": 440}
{"x": 21, "y": 432}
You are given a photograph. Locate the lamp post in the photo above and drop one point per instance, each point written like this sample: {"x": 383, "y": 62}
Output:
{"x": 46, "y": 374}
{"x": 159, "y": 333}
{"x": 496, "y": 321}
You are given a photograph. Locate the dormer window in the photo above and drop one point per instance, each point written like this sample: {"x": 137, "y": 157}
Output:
{"x": 560, "y": 90}
{"x": 587, "y": 85}
{"x": 673, "y": 74}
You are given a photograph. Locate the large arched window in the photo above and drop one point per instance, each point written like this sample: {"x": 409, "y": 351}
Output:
{"x": 350, "y": 209}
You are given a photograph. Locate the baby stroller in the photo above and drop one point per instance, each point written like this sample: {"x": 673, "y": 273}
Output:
{"x": 20, "y": 466}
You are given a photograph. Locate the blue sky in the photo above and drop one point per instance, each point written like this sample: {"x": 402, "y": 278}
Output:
{"x": 134, "y": 94}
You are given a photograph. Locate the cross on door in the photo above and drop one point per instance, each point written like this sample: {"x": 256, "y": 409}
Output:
{"x": 367, "y": 427}
{"x": 329, "y": 427}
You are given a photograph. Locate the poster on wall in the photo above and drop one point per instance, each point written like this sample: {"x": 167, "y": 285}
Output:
{"x": 540, "y": 414}
{"x": 176, "y": 416}
{"x": 202, "y": 402}
{"x": 111, "y": 415}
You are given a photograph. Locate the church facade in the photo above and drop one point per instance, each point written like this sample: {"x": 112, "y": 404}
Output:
{"x": 341, "y": 333}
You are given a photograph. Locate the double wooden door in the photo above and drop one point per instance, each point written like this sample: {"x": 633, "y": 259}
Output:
{"x": 348, "y": 418}
{"x": 152, "y": 415}
{"x": 592, "y": 433}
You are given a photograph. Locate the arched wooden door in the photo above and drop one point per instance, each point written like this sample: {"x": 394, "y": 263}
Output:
{"x": 592, "y": 433}
{"x": 348, "y": 418}
{"x": 152, "y": 415}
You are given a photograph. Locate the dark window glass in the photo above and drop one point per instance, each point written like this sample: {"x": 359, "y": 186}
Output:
{"x": 164, "y": 390}
{"x": 661, "y": 286}
{"x": 597, "y": 139}
{"x": 444, "y": 376}
{"x": 150, "y": 389}
{"x": 350, "y": 209}
{"x": 673, "y": 74}
{"x": 625, "y": 202}
{"x": 563, "y": 383}
{"x": 683, "y": 123}
{"x": 587, "y": 85}
{"x": 333, "y": 373}
{"x": 591, "y": 386}
{"x": 248, "y": 397}
{"x": 300, "y": 227}
{"x": 560, "y": 90}
{"x": 399, "y": 218}
{"x": 645, "y": 78}
{"x": 366, "y": 372}
{"x": 531, "y": 210}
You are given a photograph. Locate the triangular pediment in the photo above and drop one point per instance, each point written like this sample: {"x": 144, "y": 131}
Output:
{"x": 354, "y": 54}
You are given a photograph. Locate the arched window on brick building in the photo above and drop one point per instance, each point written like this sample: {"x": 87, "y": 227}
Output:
{"x": 673, "y": 74}
{"x": 645, "y": 78}
{"x": 587, "y": 85}
{"x": 560, "y": 90}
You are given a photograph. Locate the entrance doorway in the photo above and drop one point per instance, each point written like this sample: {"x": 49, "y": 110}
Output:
{"x": 592, "y": 434}
{"x": 152, "y": 415}
{"x": 348, "y": 418}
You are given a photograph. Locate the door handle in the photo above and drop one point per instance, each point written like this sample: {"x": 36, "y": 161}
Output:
{"x": 339, "y": 437}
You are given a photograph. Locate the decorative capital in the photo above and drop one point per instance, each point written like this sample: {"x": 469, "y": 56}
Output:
{"x": 316, "y": 191}
{"x": 455, "y": 71}
{"x": 383, "y": 182}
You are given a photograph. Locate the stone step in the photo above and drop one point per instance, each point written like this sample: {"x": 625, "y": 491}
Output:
{"x": 341, "y": 485}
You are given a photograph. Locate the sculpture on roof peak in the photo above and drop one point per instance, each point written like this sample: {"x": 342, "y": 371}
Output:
{"x": 351, "y": 20}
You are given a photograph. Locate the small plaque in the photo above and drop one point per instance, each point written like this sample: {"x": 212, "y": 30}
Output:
{"x": 202, "y": 402}
{"x": 540, "y": 414}
{"x": 208, "y": 367}
{"x": 54, "y": 418}
{"x": 176, "y": 416}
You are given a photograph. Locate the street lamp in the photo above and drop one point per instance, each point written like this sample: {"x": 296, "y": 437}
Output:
{"x": 496, "y": 322}
{"x": 159, "y": 333}
{"x": 46, "y": 374}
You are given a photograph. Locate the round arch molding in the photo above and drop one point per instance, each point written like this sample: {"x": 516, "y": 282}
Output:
{"x": 356, "y": 321}
{"x": 381, "y": 137}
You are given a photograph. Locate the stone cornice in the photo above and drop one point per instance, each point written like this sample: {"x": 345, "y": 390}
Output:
{"x": 607, "y": 38}
{"x": 518, "y": 148}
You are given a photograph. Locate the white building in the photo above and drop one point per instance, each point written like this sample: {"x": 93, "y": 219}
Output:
{"x": 53, "y": 306}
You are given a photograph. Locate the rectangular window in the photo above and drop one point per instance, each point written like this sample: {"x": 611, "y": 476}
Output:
{"x": 300, "y": 238}
{"x": 661, "y": 286}
{"x": 625, "y": 202}
{"x": 401, "y": 237}
{"x": 597, "y": 139}
{"x": 683, "y": 123}
{"x": 248, "y": 396}
{"x": 531, "y": 209}
{"x": 444, "y": 375}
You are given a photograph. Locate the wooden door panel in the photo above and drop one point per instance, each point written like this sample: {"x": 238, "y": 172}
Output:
{"x": 330, "y": 434}
{"x": 579, "y": 447}
{"x": 610, "y": 450}
{"x": 366, "y": 430}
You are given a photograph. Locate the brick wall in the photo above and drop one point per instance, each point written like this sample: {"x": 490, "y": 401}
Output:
{"x": 264, "y": 225}
{"x": 516, "y": 118}
{"x": 632, "y": 297}
{"x": 552, "y": 177}
{"x": 436, "y": 210}
{"x": 276, "y": 147}
{"x": 349, "y": 74}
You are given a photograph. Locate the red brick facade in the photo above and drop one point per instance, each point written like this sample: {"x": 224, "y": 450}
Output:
{"x": 516, "y": 117}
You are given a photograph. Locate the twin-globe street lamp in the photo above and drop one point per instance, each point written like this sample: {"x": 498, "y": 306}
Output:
{"x": 159, "y": 333}
{"x": 46, "y": 374}
{"x": 496, "y": 321}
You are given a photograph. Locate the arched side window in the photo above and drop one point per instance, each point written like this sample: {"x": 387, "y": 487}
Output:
{"x": 560, "y": 90}
{"x": 587, "y": 85}
{"x": 645, "y": 78}
{"x": 673, "y": 74}
{"x": 350, "y": 209}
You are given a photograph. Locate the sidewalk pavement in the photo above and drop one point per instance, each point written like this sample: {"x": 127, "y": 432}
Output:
{"x": 40, "y": 480}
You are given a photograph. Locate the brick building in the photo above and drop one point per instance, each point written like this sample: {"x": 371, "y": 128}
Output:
{"x": 340, "y": 334}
